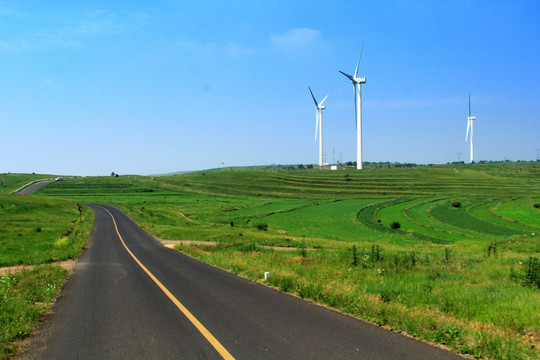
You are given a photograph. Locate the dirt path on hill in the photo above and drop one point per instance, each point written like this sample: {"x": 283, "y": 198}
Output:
{"x": 68, "y": 265}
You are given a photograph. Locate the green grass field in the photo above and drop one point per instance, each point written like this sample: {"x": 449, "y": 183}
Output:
{"x": 37, "y": 230}
{"x": 11, "y": 182}
{"x": 465, "y": 276}
{"x": 24, "y": 298}
{"x": 34, "y": 230}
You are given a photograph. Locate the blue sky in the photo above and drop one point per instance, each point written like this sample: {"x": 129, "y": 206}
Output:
{"x": 141, "y": 87}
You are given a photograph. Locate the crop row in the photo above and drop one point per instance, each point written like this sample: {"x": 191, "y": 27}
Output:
{"x": 445, "y": 220}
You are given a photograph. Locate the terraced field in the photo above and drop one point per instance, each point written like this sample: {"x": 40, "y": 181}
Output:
{"x": 520, "y": 211}
{"x": 11, "y": 182}
{"x": 445, "y": 253}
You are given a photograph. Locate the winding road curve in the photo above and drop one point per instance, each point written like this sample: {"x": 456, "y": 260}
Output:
{"x": 31, "y": 188}
{"x": 132, "y": 298}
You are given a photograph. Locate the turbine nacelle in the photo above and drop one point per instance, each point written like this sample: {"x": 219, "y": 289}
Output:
{"x": 355, "y": 80}
{"x": 318, "y": 123}
{"x": 470, "y": 123}
{"x": 357, "y": 88}
{"x": 318, "y": 105}
{"x": 360, "y": 80}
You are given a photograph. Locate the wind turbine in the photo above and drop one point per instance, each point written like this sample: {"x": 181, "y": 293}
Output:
{"x": 318, "y": 123}
{"x": 470, "y": 127}
{"x": 357, "y": 84}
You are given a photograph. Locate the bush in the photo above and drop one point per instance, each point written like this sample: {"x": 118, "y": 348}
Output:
{"x": 262, "y": 226}
{"x": 536, "y": 205}
{"x": 414, "y": 258}
{"x": 492, "y": 249}
{"x": 375, "y": 253}
{"x": 395, "y": 225}
{"x": 385, "y": 295}
{"x": 532, "y": 272}
{"x": 456, "y": 204}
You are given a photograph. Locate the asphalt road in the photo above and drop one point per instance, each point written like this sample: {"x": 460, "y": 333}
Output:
{"x": 30, "y": 189}
{"x": 111, "y": 308}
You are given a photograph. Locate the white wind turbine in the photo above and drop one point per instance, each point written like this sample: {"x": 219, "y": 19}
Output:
{"x": 357, "y": 84}
{"x": 318, "y": 123}
{"x": 470, "y": 127}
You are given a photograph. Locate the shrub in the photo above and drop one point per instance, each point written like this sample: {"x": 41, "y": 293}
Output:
{"x": 385, "y": 295}
{"x": 532, "y": 273}
{"x": 395, "y": 225}
{"x": 375, "y": 253}
{"x": 414, "y": 258}
{"x": 354, "y": 256}
{"x": 262, "y": 226}
{"x": 456, "y": 204}
{"x": 492, "y": 249}
{"x": 286, "y": 284}
{"x": 447, "y": 334}
{"x": 536, "y": 205}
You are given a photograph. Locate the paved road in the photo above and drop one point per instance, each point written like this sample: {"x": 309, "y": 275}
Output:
{"x": 30, "y": 189}
{"x": 111, "y": 308}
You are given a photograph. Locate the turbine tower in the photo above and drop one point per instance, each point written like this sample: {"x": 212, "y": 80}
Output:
{"x": 318, "y": 123}
{"x": 357, "y": 84}
{"x": 470, "y": 127}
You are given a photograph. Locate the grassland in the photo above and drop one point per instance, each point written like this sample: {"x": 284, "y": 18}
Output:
{"x": 11, "y": 182}
{"x": 465, "y": 276}
{"x": 38, "y": 230}
{"x": 34, "y": 231}
{"x": 24, "y": 297}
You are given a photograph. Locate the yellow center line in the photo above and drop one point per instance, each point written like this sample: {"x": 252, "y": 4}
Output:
{"x": 209, "y": 337}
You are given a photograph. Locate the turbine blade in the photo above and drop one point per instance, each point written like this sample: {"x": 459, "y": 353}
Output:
{"x": 468, "y": 128}
{"x": 469, "y": 104}
{"x": 358, "y": 64}
{"x": 320, "y": 104}
{"x": 348, "y": 76}
{"x": 316, "y": 124}
{"x": 315, "y": 101}
{"x": 355, "y": 108}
